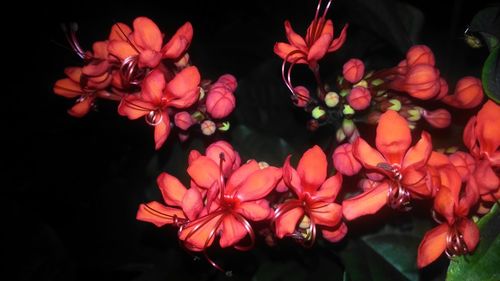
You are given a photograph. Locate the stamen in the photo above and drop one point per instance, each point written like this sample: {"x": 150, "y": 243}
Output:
{"x": 221, "y": 176}
{"x": 130, "y": 71}
{"x": 72, "y": 40}
{"x": 398, "y": 198}
{"x": 154, "y": 117}
{"x": 455, "y": 243}
{"x": 175, "y": 219}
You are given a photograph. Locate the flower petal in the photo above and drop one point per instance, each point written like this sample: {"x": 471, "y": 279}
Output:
{"x": 486, "y": 178}
{"x": 81, "y": 108}
{"x": 418, "y": 155}
{"x": 119, "y": 31}
{"x": 185, "y": 83}
{"x": 344, "y": 160}
{"x": 204, "y": 171}
{"x": 192, "y": 203}
{"x": 319, "y": 48}
{"x": 200, "y": 234}
{"x": 368, "y": 202}
{"x": 67, "y": 88}
{"x": 470, "y": 231}
{"x": 162, "y": 130}
{"x": 134, "y": 107}
{"x": 335, "y": 234}
{"x": 339, "y": 41}
{"x": 153, "y": 86}
{"x": 312, "y": 168}
{"x": 464, "y": 163}
{"x": 178, "y": 44}
{"x": 232, "y": 231}
{"x": 367, "y": 155}
{"x": 326, "y": 214}
{"x": 294, "y": 39}
{"x": 432, "y": 246}
{"x": 259, "y": 184}
{"x": 240, "y": 175}
{"x": 121, "y": 49}
{"x": 393, "y": 136}
{"x": 146, "y": 34}
{"x": 171, "y": 188}
{"x": 487, "y": 129}
{"x": 285, "y": 50}
{"x": 255, "y": 210}
{"x": 329, "y": 189}
{"x": 286, "y": 223}
{"x": 158, "y": 214}
{"x": 292, "y": 178}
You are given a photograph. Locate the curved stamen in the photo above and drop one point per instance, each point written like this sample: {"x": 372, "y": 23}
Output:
{"x": 398, "y": 198}
{"x": 455, "y": 243}
{"x": 175, "y": 219}
{"x": 287, "y": 79}
{"x": 130, "y": 71}
{"x": 210, "y": 237}
{"x": 72, "y": 39}
{"x": 154, "y": 117}
{"x": 249, "y": 231}
{"x": 221, "y": 176}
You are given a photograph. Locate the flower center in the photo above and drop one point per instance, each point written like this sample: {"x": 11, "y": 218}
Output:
{"x": 398, "y": 198}
{"x": 455, "y": 243}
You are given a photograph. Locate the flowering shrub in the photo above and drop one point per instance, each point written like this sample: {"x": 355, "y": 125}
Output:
{"x": 391, "y": 150}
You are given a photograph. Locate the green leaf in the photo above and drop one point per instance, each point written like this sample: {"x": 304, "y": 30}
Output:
{"x": 486, "y": 23}
{"x": 491, "y": 75}
{"x": 483, "y": 264}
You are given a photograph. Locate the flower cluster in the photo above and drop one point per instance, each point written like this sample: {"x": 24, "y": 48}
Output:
{"x": 149, "y": 78}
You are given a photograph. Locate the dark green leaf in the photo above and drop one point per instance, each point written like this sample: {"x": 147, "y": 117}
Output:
{"x": 491, "y": 75}
{"x": 487, "y": 23}
{"x": 483, "y": 264}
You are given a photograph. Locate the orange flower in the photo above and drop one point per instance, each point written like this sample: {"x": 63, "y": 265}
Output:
{"x": 144, "y": 43}
{"x": 315, "y": 201}
{"x": 317, "y": 42}
{"x": 456, "y": 235}
{"x": 157, "y": 97}
{"x": 403, "y": 167}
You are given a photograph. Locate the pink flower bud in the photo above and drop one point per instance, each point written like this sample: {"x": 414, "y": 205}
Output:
{"x": 220, "y": 102}
{"x": 232, "y": 159}
{"x": 468, "y": 93}
{"x": 359, "y": 98}
{"x": 344, "y": 160}
{"x": 229, "y": 81}
{"x": 208, "y": 127}
{"x": 422, "y": 82}
{"x": 302, "y": 96}
{"x": 439, "y": 118}
{"x": 420, "y": 54}
{"x": 193, "y": 155}
{"x": 183, "y": 120}
{"x": 443, "y": 89}
{"x": 353, "y": 70}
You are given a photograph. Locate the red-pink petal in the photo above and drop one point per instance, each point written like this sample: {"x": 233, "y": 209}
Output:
{"x": 162, "y": 130}
{"x": 393, "y": 136}
{"x": 339, "y": 41}
{"x": 292, "y": 178}
{"x": 204, "y": 171}
{"x": 158, "y": 214}
{"x": 241, "y": 174}
{"x": 432, "y": 246}
{"x": 255, "y": 210}
{"x": 146, "y": 34}
{"x": 326, "y": 214}
{"x": 185, "y": 83}
{"x": 232, "y": 231}
{"x": 286, "y": 223}
{"x": 329, "y": 189}
{"x": 81, "y": 108}
{"x": 192, "y": 203}
{"x": 312, "y": 168}
{"x": 344, "y": 160}
{"x": 178, "y": 44}
{"x": 319, "y": 48}
{"x": 335, "y": 234}
{"x": 294, "y": 39}
{"x": 418, "y": 155}
{"x": 284, "y": 50}
{"x": 367, "y": 155}
{"x": 258, "y": 184}
{"x": 171, "y": 188}
{"x": 366, "y": 203}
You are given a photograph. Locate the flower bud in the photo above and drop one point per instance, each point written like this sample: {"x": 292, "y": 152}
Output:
{"x": 229, "y": 81}
{"x": 302, "y": 96}
{"x": 340, "y": 135}
{"x": 359, "y": 98}
{"x": 361, "y": 83}
{"x": 420, "y": 54}
{"x": 443, "y": 89}
{"x": 348, "y": 127}
{"x": 318, "y": 112}
{"x": 421, "y": 82}
{"x": 197, "y": 116}
{"x": 344, "y": 92}
{"x": 220, "y": 102}
{"x": 331, "y": 99}
{"x": 208, "y": 127}
{"x": 439, "y": 118}
{"x": 348, "y": 110}
{"x": 305, "y": 223}
{"x": 464, "y": 163}
{"x": 183, "y": 120}
{"x": 468, "y": 93}
{"x": 263, "y": 165}
{"x": 353, "y": 70}
{"x": 344, "y": 161}
{"x": 414, "y": 114}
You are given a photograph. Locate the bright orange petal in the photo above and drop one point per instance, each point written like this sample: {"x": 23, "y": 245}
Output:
{"x": 432, "y": 246}
{"x": 134, "y": 107}
{"x": 258, "y": 185}
{"x": 158, "y": 214}
{"x": 146, "y": 34}
{"x": 367, "y": 155}
{"x": 319, "y": 48}
{"x": 120, "y": 32}
{"x": 470, "y": 231}
{"x": 81, "y": 108}
{"x": 184, "y": 83}
{"x": 393, "y": 136}
{"x": 240, "y": 175}
{"x": 487, "y": 129}
{"x": 329, "y": 189}
{"x": 67, "y": 88}
{"x": 294, "y": 39}
{"x": 326, "y": 214}
{"x": 121, "y": 49}
{"x": 171, "y": 188}
{"x": 162, "y": 131}
{"x": 335, "y": 234}
{"x": 232, "y": 231}
{"x": 204, "y": 171}
{"x": 255, "y": 210}
{"x": 192, "y": 203}
{"x": 283, "y": 50}
{"x": 292, "y": 178}
{"x": 464, "y": 163}
{"x": 469, "y": 136}
{"x": 366, "y": 203}
{"x": 486, "y": 178}
{"x": 312, "y": 168}
{"x": 286, "y": 223}
{"x": 418, "y": 155}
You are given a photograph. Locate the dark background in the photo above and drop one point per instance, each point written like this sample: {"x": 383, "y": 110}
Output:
{"x": 73, "y": 185}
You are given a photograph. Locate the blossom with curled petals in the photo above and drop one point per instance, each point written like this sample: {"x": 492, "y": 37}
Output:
{"x": 157, "y": 96}
{"x": 314, "y": 204}
{"x": 404, "y": 167}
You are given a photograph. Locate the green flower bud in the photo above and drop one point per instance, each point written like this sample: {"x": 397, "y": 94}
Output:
{"x": 318, "y": 112}
{"x": 331, "y": 99}
{"x": 344, "y": 92}
{"x": 348, "y": 127}
{"x": 348, "y": 110}
{"x": 396, "y": 105}
{"x": 340, "y": 135}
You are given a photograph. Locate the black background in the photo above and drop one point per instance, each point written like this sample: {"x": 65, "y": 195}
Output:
{"x": 72, "y": 186}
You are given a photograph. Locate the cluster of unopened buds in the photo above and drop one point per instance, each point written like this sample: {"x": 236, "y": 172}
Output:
{"x": 231, "y": 202}
{"x": 149, "y": 79}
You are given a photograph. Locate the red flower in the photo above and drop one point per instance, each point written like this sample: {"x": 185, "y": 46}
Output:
{"x": 231, "y": 205}
{"x": 317, "y": 42}
{"x": 314, "y": 204}
{"x": 403, "y": 167}
{"x": 457, "y": 235}
{"x": 157, "y": 97}
{"x": 145, "y": 43}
